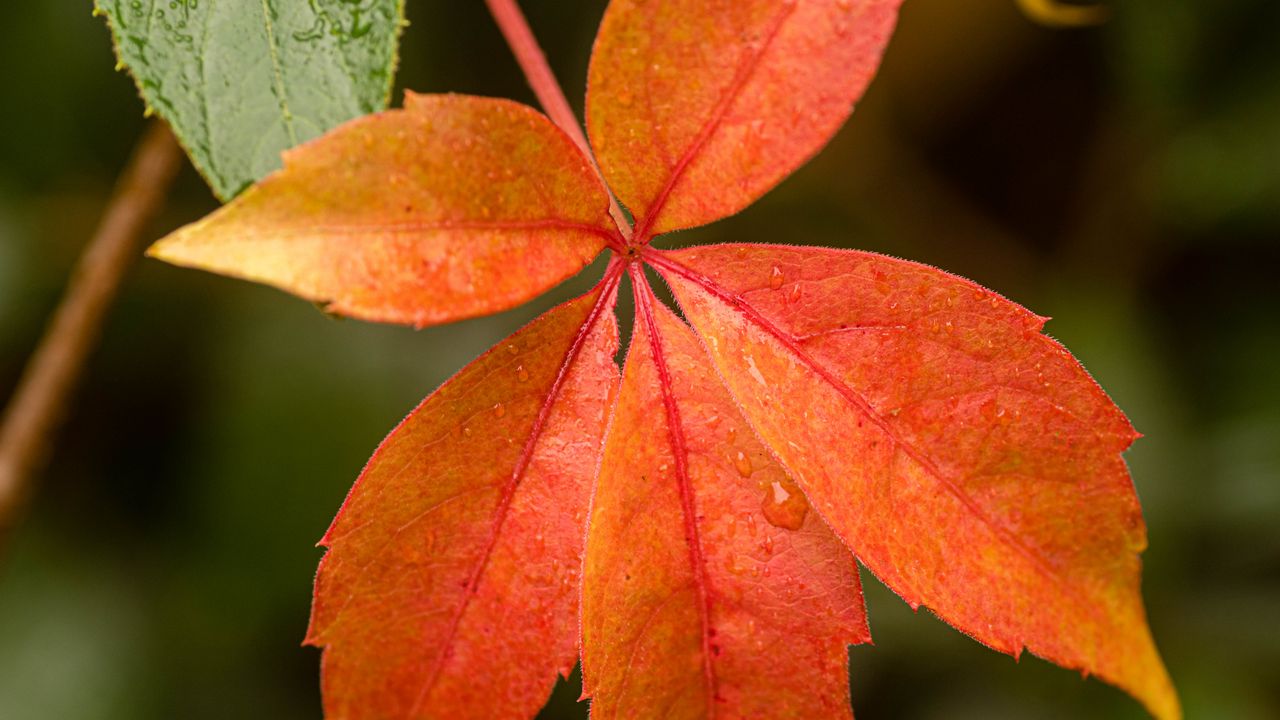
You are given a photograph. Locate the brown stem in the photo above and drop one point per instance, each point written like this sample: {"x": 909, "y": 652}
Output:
{"x": 39, "y": 402}
{"x": 533, "y": 62}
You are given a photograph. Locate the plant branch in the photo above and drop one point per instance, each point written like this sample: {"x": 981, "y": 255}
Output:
{"x": 39, "y": 403}
{"x": 533, "y": 62}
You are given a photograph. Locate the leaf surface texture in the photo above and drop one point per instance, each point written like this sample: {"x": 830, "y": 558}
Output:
{"x": 278, "y": 71}
{"x": 415, "y": 216}
{"x": 456, "y": 555}
{"x": 710, "y": 590}
{"x": 965, "y": 457}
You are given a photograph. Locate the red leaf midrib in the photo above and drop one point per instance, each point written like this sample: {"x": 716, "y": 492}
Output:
{"x": 675, "y": 431}
{"x": 662, "y": 260}
{"x": 431, "y": 226}
{"x": 607, "y": 289}
{"x": 643, "y": 230}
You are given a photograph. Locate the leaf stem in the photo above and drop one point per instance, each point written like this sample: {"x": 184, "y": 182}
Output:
{"x": 39, "y": 403}
{"x": 514, "y": 27}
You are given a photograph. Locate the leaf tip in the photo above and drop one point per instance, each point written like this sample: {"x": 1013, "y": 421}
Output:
{"x": 157, "y": 250}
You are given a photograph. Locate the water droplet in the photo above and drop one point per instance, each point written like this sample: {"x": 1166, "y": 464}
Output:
{"x": 466, "y": 431}
{"x": 784, "y": 505}
{"x": 767, "y": 545}
{"x": 731, "y": 564}
{"x": 522, "y": 373}
{"x": 794, "y": 295}
{"x": 733, "y": 435}
{"x": 499, "y": 410}
{"x": 743, "y": 464}
{"x": 989, "y": 410}
{"x": 513, "y": 349}
{"x": 775, "y": 278}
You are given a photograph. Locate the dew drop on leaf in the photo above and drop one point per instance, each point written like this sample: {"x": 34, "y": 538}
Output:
{"x": 522, "y": 373}
{"x": 743, "y": 464}
{"x": 731, "y": 565}
{"x": 775, "y": 278}
{"x": 784, "y": 505}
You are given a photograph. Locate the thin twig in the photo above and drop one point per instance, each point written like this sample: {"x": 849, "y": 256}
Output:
{"x": 40, "y": 400}
{"x": 533, "y": 62}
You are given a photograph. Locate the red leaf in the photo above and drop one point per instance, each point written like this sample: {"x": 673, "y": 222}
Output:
{"x": 709, "y": 589}
{"x": 698, "y": 107}
{"x": 451, "y": 578}
{"x": 966, "y": 458}
{"x": 455, "y": 207}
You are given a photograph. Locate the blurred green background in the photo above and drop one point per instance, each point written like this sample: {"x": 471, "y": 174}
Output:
{"x": 1124, "y": 180}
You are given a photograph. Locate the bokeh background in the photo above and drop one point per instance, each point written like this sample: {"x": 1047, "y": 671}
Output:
{"x": 1124, "y": 180}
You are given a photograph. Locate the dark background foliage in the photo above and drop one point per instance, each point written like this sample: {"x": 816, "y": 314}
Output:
{"x": 1125, "y": 180}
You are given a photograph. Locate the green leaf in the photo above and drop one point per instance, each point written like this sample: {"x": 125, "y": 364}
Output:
{"x": 242, "y": 80}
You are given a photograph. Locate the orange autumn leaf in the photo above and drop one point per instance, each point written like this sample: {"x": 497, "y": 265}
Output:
{"x": 709, "y": 588}
{"x": 968, "y": 459}
{"x": 697, "y": 107}
{"x": 689, "y": 530}
{"x": 412, "y": 216}
{"x": 456, "y": 555}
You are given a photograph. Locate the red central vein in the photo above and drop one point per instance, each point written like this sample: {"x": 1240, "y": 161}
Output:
{"x": 611, "y": 237}
{"x": 745, "y": 70}
{"x": 608, "y": 288}
{"x": 661, "y": 260}
{"x": 644, "y": 304}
